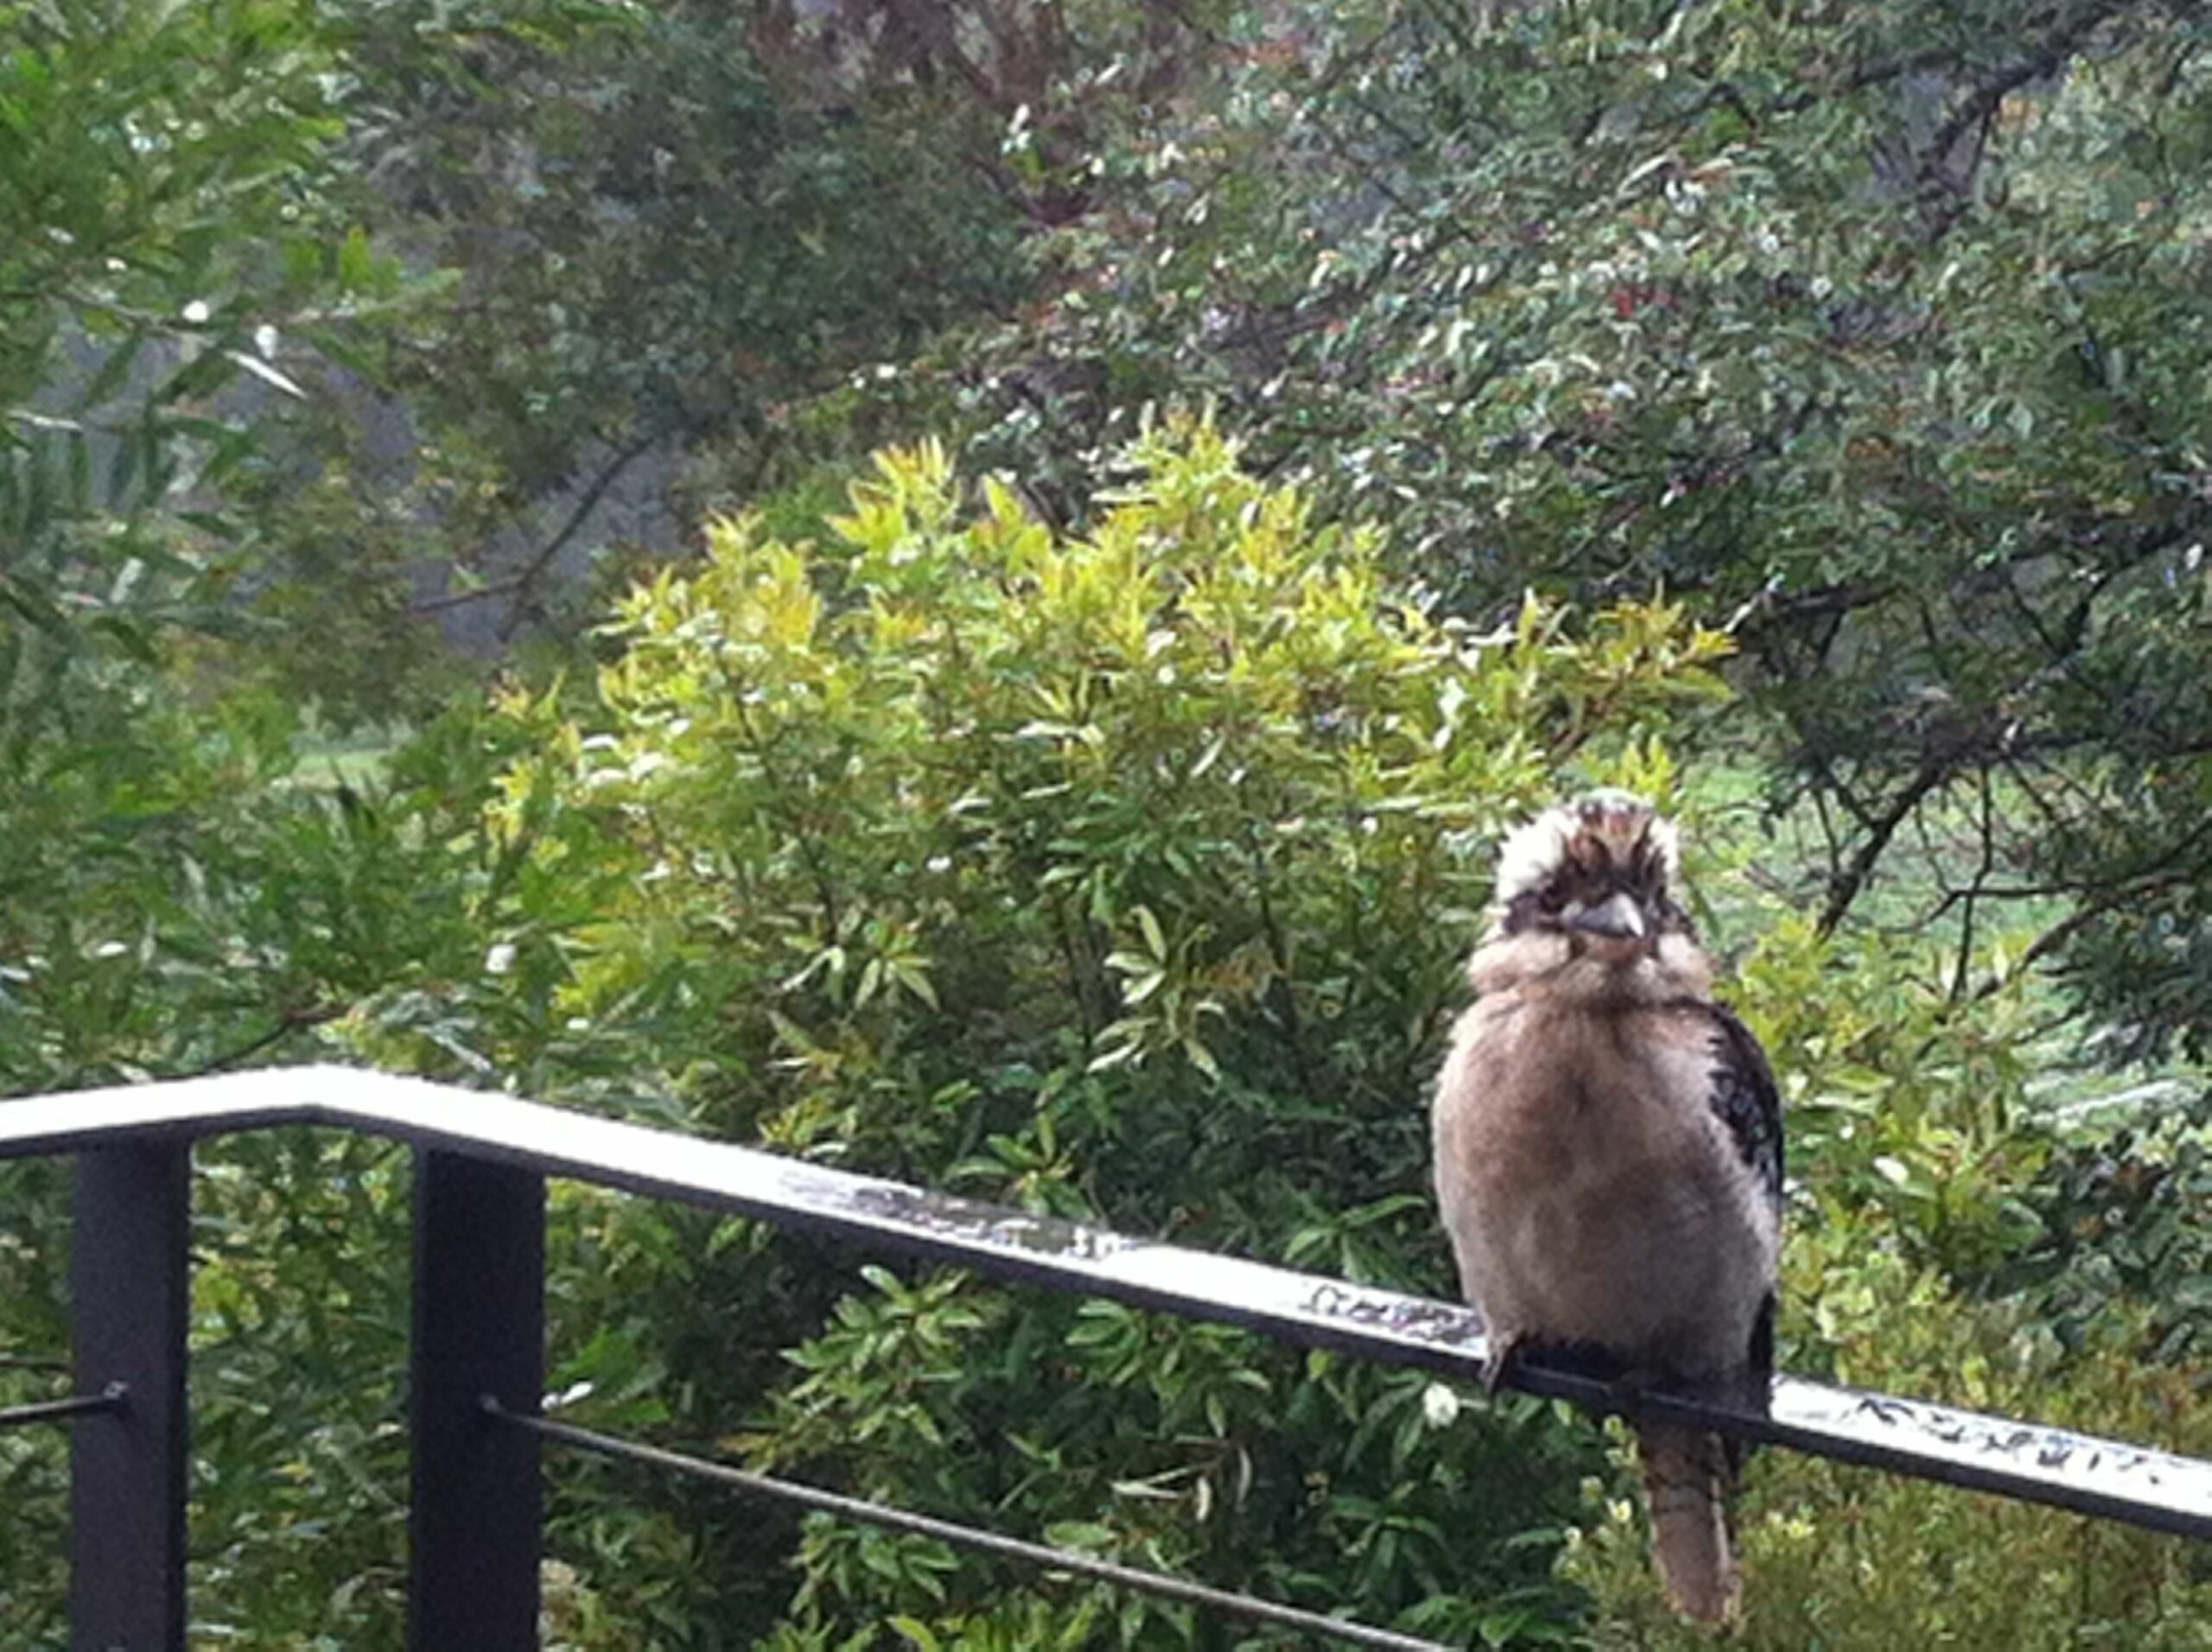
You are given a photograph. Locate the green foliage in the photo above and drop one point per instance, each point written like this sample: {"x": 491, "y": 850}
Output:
{"x": 176, "y": 273}
{"x": 177, "y": 901}
{"x": 666, "y": 224}
{"x": 1107, "y": 839}
{"x": 1845, "y": 1557}
{"x": 300, "y": 1323}
{"x": 2124, "y": 1216}
{"x": 148, "y": 143}
{"x": 1881, "y": 323}
{"x": 1906, "y": 1116}
{"x": 126, "y": 901}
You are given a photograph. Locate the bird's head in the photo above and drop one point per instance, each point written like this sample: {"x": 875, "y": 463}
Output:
{"x": 1598, "y": 872}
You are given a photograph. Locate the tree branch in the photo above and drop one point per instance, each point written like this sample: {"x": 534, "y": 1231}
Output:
{"x": 2072, "y": 925}
{"x": 1844, "y": 888}
{"x": 517, "y": 585}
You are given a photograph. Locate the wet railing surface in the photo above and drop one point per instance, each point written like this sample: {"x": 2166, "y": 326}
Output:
{"x": 2138, "y": 1484}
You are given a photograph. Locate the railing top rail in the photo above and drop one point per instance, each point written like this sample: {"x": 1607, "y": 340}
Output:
{"x": 2136, "y": 1484}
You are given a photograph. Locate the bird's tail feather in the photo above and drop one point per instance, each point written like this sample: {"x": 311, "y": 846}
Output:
{"x": 1688, "y": 1478}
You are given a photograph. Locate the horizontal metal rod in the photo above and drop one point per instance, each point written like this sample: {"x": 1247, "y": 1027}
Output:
{"x": 77, "y": 1405}
{"x": 2136, "y": 1484}
{"x": 969, "y": 1537}
{"x": 31, "y": 1363}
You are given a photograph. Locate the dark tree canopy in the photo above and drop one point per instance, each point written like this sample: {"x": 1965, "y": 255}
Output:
{"x": 1879, "y": 329}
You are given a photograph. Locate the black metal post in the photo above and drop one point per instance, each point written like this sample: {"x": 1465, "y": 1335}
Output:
{"x": 479, "y": 1330}
{"x": 129, "y": 1274}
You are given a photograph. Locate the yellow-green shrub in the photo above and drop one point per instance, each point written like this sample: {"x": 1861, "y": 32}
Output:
{"x": 1126, "y": 874}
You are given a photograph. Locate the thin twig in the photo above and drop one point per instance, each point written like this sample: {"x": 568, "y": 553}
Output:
{"x": 518, "y": 583}
{"x": 1934, "y": 774}
{"x": 289, "y": 1022}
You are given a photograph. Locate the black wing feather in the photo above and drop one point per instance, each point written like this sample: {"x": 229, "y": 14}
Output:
{"x": 1745, "y": 1098}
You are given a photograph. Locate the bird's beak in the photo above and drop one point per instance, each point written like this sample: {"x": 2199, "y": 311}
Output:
{"x": 1617, "y": 918}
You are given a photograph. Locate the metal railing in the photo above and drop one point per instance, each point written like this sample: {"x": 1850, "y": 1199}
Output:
{"x": 478, "y": 1354}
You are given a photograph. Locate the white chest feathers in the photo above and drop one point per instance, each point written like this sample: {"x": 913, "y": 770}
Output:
{"x": 1591, "y": 1192}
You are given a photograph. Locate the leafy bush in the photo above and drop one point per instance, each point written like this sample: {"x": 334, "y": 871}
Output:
{"x": 1126, "y": 877}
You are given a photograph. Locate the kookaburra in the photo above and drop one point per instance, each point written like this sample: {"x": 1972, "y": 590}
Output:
{"x": 1609, "y": 1154}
